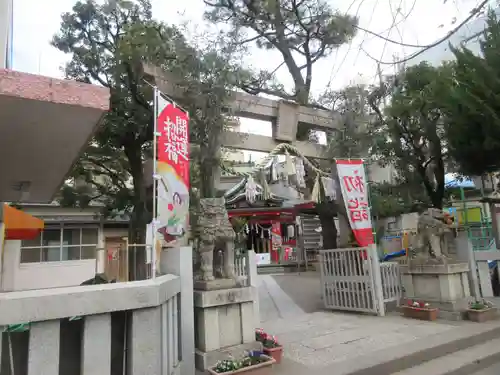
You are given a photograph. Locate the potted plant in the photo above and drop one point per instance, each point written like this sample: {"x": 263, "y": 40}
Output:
{"x": 420, "y": 310}
{"x": 481, "y": 311}
{"x": 254, "y": 363}
{"x": 271, "y": 346}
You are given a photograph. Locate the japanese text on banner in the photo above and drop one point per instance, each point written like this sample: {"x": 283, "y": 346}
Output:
{"x": 172, "y": 170}
{"x": 357, "y": 202}
{"x": 355, "y": 195}
{"x": 175, "y": 139}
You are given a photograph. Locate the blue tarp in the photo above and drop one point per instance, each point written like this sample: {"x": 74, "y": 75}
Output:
{"x": 451, "y": 180}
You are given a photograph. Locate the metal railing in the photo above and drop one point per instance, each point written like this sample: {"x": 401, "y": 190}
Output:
{"x": 392, "y": 287}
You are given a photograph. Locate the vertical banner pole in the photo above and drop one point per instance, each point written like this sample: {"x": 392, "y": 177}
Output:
{"x": 155, "y": 197}
{"x": 370, "y": 206}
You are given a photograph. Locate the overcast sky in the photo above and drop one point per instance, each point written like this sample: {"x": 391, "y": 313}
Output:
{"x": 417, "y": 22}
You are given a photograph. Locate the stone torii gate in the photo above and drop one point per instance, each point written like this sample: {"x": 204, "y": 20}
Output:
{"x": 285, "y": 116}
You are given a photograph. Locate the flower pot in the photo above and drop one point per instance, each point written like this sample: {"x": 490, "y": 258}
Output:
{"x": 276, "y": 353}
{"x": 480, "y": 316}
{"x": 421, "y": 313}
{"x": 263, "y": 368}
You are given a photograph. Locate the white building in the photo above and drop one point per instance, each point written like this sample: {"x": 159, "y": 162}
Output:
{"x": 66, "y": 251}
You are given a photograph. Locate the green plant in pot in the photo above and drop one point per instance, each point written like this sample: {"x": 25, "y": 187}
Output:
{"x": 481, "y": 310}
{"x": 254, "y": 361}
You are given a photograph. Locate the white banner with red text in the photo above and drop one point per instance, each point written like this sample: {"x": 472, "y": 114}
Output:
{"x": 354, "y": 189}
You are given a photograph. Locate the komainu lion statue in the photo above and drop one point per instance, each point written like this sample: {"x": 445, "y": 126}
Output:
{"x": 214, "y": 228}
{"x": 433, "y": 229}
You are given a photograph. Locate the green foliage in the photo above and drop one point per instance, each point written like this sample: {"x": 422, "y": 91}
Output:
{"x": 355, "y": 140}
{"x": 408, "y": 132}
{"x": 393, "y": 200}
{"x": 303, "y": 32}
{"x": 352, "y": 139}
{"x": 108, "y": 44}
{"x": 473, "y": 105}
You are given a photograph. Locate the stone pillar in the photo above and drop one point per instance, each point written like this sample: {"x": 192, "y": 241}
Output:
{"x": 494, "y": 224}
{"x": 146, "y": 345}
{"x": 483, "y": 270}
{"x": 445, "y": 286}
{"x": 224, "y": 323}
{"x": 179, "y": 261}
{"x": 43, "y": 354}
{"x": 96, "y": 348}
{"x": 251, "y": 270}
{"x": 465, "y": 253}
{"x": 285, "y": 128}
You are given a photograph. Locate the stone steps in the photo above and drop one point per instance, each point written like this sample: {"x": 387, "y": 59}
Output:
{"x": 462, "y": 362}
{"x": 462, "y": 351}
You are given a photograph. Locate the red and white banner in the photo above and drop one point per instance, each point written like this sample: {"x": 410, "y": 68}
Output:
{"x": 353, "y": 184}
{"x": 172, "y": 169}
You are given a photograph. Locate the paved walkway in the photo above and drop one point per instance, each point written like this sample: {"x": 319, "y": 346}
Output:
{"x": 316, "y": 340}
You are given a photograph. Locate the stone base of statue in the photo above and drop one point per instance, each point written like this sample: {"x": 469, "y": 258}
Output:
{"x": 441, "y": 283}
{"x": 216, "y": 284}
{"x": 224, "y": 324}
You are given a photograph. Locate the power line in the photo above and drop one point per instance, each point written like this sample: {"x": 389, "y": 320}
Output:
{"x": 350, "y": 45}
{"x": 392, "y": 26}
{"x": 379, "y": 72}
{"x": 474, "y": 12}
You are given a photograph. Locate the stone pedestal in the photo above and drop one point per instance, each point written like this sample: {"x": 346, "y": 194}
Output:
{"x": 224, "y": 324}
{"x": 445, "y": 286}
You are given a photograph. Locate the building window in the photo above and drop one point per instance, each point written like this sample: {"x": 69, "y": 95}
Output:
{"x": 59, "y": 244}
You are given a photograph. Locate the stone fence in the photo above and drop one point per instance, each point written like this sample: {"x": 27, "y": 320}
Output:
{"x": 142, "y": 327}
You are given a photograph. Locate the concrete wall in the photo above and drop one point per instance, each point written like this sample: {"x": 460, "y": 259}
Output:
{"x": 28, "y": 276}
{"x": 18, "y": 276}
{"x": 155, "y": 313}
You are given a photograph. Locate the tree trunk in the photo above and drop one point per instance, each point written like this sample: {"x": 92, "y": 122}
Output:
{"x": 140, "y": 216}
{"x": 137, "y": 236}
{"x": 326, "y": 211}
{"x": 209, "y": 172}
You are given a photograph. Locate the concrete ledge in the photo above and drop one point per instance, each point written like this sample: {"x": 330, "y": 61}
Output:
{"x": 48, "y": 304}
{"x": 219, "y": 297}
{"x": 477, "y": 365}
{"x": 441, "y": 269}
{"x": 58, "y": 91}
{"x": 462, "y": 362}
{"x": 405, "y": 356}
